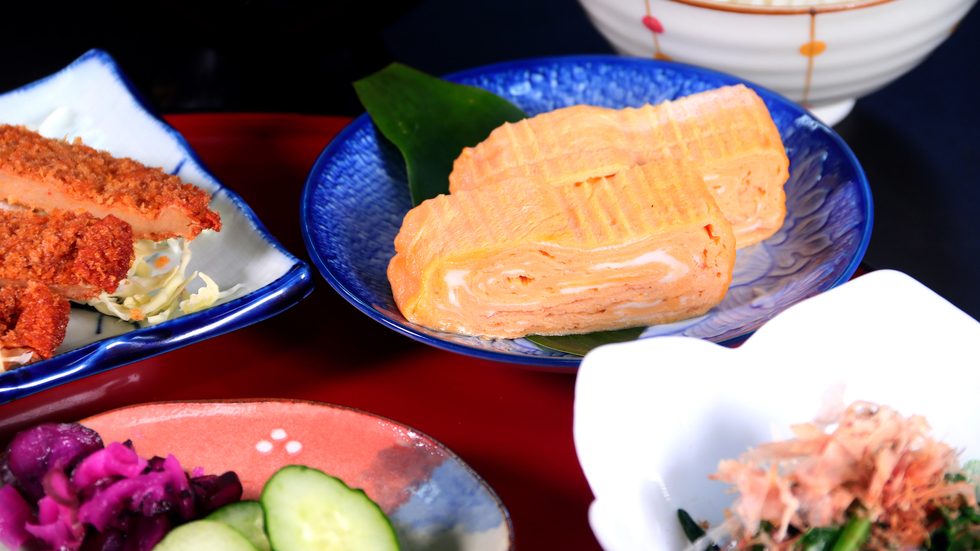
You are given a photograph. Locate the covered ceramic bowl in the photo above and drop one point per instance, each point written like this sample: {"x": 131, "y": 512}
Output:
{"x": 821, "y": 53}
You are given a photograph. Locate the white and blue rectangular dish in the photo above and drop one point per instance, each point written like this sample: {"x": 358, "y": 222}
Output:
{"x": 92, "y": 99}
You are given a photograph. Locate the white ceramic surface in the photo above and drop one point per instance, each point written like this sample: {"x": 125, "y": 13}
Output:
{"x": 653, "y": 417}
{"x": 857, "y": 47}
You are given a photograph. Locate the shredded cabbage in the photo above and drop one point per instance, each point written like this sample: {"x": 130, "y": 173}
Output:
{"x": 21, "y": 358}
{"x": 151, "y": 293}
{"x": 206, "y": 296}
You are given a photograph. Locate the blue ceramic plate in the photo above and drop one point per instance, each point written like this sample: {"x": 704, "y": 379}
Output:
{"x": 356, "y": 196}
{"x": 92, "y": 99}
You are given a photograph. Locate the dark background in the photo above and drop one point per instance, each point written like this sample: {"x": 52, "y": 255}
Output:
{"x": 918, "y": 139}
{"x": 293, "y": 57}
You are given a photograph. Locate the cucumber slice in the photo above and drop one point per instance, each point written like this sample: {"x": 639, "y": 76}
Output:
{"x": 204, "y": 535}
{"x": 306, "y": 509}
{"x": 246, "y": 517}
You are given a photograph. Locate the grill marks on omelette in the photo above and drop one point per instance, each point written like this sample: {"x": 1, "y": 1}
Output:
{"x": 726, "y": 133}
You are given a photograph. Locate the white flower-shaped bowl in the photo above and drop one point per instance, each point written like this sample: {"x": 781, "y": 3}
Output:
{"x": 653, "y": 417}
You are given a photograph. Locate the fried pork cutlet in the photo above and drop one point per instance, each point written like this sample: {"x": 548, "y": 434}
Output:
{"x": 32, "y": 319}
{"x": 75, "y": 254}
{"x": 47, "y": 174}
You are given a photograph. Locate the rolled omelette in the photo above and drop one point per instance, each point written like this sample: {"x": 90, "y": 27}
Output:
{"x": 727, "y": 133}
{"x": 646, "y": 246}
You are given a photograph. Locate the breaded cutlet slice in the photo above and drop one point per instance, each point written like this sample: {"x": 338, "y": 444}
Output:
{"x": 32, "y": 319}
{"x": 75, "y": 254}
{"x": 47, "y": 174}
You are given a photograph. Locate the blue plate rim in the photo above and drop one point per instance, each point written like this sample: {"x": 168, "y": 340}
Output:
{"x": 563, "y": 364}
{"x": 146, "y": 342}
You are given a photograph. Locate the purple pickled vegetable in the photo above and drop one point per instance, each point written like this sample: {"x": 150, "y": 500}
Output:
{"x": 148, "y": 494}
{"x": 213, "y": 492}
{"x": 154, "y": 464}
{"x": 109, "y": 539}
{"x": 33, "y": 452}
{"x": 163, "y": 490}
{"x": 91, "y": 497}
{"x": 146, "y": 532}
{"x": 115, "y": 460}
{"x": 57, "y": 525}
{"x": 59, "y": 488}
{"x": 15, "y": 513}
{"x": 181, "y": 486}
{"x": 6, "y": 479}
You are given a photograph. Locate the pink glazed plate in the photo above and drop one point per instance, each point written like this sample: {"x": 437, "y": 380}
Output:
{"x": 431, "y": 497}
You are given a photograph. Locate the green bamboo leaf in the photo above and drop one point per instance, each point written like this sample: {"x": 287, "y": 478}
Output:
{"x": 581, "y": 344}
{"x": 431, "y": 120}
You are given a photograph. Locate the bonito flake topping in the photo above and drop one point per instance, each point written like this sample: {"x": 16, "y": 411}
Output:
{"x": 875, "y": 464}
